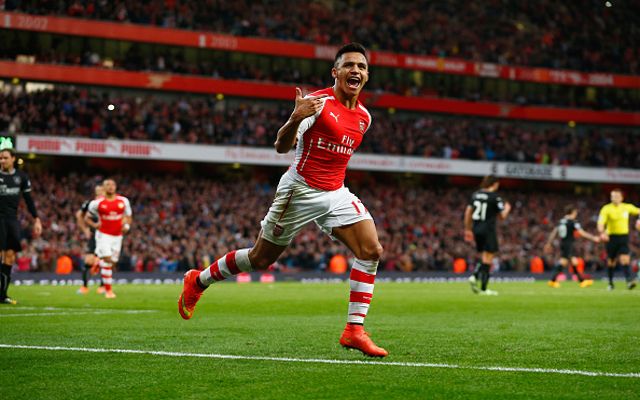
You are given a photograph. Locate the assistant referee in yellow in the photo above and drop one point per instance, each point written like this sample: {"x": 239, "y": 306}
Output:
{"x": 613, "y": 226}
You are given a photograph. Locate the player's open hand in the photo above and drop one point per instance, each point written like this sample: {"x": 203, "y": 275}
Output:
{"x": 604, "y": 237}
{"x": 468, "y": 235}
{"x": 306, "y": 106}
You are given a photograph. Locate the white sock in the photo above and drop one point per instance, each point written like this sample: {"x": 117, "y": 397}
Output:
{"x": 361, "y": 282}
{"x": 106, "y": 272}
{"x": 230, "y": 264}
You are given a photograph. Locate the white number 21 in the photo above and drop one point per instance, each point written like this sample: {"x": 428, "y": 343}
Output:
{"x": 479, "y": 211}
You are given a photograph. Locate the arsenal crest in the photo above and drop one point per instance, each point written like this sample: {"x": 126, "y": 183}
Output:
{"x": 278, "y": 230}
{"x": 362, "y": 126}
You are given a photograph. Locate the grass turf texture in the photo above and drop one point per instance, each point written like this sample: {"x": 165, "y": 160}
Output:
{"x": 528, "y": 325}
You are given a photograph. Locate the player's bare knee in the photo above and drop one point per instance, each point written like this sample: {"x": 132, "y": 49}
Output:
{"x": 371, "y": 253}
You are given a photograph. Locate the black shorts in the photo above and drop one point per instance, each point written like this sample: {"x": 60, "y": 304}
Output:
{"x": 486, "y": 241}
{"x": 10, "y": 234}
{"x": 91, "y": 245}
{"x": 617, "y": 245}
{"x": 566, "y": 250}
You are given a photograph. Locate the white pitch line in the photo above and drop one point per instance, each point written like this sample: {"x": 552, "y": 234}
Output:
{"x": 94, "y": 312}
{"x": 43, "y": 308}
{"x": 327, "y": 361}
{"x": 48, "y": 308}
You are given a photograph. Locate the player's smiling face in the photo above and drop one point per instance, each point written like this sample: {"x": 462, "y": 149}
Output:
{"x": 351, "y": 73}
{"x": 6, "y": 161}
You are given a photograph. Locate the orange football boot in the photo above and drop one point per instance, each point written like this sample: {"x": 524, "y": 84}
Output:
{"x": 190, "y": 295}
{"x": 355, "y": 337}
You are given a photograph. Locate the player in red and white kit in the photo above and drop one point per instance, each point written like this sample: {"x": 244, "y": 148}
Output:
{"x": 326, "y": 127}
{"x": 114, "y": 220}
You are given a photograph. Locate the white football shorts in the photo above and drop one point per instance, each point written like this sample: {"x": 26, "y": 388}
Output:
{"x": 296, "y": 204}
{"x": 108, "y": 246}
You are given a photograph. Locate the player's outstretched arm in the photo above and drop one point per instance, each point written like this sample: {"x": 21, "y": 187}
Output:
{"x": 305, "y": 107}
{"x": 587, "y": 235}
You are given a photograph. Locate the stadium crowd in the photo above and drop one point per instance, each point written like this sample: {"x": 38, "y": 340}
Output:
{"x": 222, "y": 66}
{"x": 206, "y": 120}
{"x": 586, "y": 35}
{"x": 180, "y": 223}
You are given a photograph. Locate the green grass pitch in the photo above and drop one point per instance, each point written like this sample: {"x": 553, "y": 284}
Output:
{"x": 527, "y": 326}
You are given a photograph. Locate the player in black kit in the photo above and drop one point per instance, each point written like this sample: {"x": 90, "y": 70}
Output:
{"x": 480, "y": 224}
{"x": 90, "y": 258}
{"x": 13, "y": 182}
{"x": 567, "y": 228}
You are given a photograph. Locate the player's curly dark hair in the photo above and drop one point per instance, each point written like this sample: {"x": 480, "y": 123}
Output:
{"x": 351, "y": 48}
{"x": 569, "y": 208}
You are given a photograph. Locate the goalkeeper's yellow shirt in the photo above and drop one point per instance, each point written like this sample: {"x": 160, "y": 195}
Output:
{"x": 616, "y": 217}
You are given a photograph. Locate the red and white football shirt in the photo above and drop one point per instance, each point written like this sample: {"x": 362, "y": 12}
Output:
{"x": 327, "y": 140}
{"x": 111, "y": 213}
